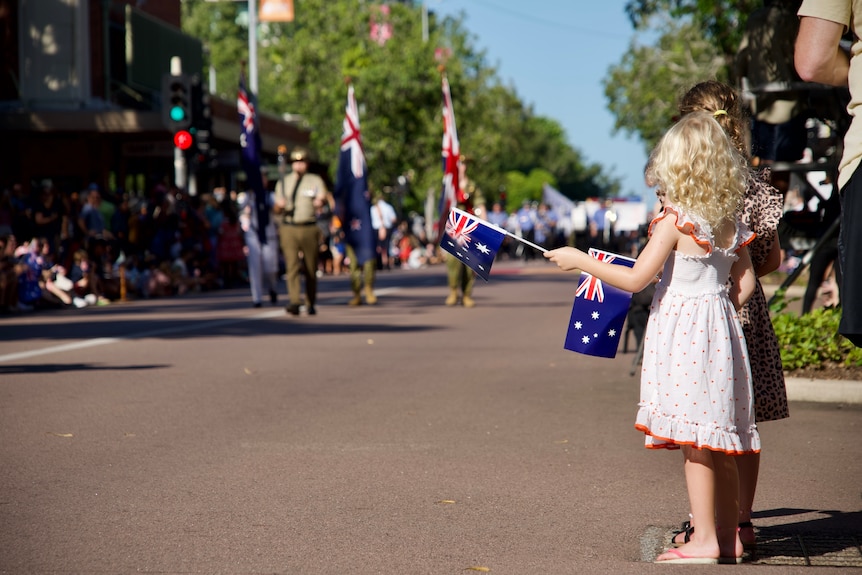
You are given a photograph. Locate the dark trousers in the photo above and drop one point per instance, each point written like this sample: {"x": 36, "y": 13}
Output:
{"x": 850, "y": 258}
{"x": 826, "y": 254}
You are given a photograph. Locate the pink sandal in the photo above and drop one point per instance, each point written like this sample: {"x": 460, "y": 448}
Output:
{"x": 683, "y": 559}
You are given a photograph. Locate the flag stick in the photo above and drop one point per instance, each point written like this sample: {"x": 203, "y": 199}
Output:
{"x": 523, "y": 241}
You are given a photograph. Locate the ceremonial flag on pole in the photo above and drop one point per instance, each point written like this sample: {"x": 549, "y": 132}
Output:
{"x": 472, "y": 240}
{"x": 451, "y": 154}
{"x": 599, "y": 312}
{"x": 353, "y": 202}
{"x": 249, "y": 141}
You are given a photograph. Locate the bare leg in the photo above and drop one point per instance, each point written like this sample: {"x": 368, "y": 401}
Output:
{"x": 700, "y": 479}
{"x": 749, "y": 468}
{"x": 727, "y": 504}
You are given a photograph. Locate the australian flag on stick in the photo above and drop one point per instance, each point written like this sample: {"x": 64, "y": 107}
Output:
{"x": 249, "y": 141}
{"x": 599, "y": 312}
{"x": 472, "y": 240}
{"x": 352, "y": 200}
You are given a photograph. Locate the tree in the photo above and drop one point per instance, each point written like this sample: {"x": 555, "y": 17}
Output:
{"x": 522, "y": 187}
{"x": 697, "y": 40}
{"x": 303, "y": 67}
{"x": 643, "y": 89}
{"x": 722, "y": 22}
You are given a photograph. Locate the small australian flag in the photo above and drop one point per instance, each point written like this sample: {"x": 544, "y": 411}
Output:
{"x": 472, "y": 240}
{"x": 599, "y": 312}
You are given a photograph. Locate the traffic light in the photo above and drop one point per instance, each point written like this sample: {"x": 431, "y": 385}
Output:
{"x": 176, "y": 102}
{"x": 183, "y": 140}
{"x": 202, "y": 122}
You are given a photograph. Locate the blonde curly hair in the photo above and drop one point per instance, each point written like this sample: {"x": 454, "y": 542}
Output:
{"x": 697, "y": 168}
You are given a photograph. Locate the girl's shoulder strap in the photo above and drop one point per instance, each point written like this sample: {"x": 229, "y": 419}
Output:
{"x": 686, "y": 224}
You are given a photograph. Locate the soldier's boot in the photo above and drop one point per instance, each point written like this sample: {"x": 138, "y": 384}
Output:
{"x": 452, "y": 299}
{"x": 468, "y": 301}
{"x": 370, "y": 298}
{"x": 355, "y": 300}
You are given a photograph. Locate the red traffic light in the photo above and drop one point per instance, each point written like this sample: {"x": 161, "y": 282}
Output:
{"x": 183, "y": 140}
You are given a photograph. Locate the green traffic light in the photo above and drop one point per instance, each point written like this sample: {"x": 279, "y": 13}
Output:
{"x": 177, "y": 113}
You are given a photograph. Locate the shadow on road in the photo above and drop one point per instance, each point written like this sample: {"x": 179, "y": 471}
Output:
{"x": 64, "y": 367}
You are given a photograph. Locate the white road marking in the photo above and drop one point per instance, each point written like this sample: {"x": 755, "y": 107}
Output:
{"x": 192, "y": 326}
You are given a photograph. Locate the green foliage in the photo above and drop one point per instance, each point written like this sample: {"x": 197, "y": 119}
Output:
{"x": 696, "y": 40}
{"x": 643, "y": 90}
{"x": 303, "y": 68}
{"x": 522, "y": 188}
{"x": 811, "y": 340}
{"x": 721, "y": 22}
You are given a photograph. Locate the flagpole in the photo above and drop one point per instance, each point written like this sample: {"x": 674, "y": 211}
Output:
{"x": 523, "y": 241}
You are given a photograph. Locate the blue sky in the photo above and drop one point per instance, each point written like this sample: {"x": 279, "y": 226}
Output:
{"x": 555, "y": 53}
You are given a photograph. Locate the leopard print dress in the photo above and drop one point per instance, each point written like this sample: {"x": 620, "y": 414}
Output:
{"x": 762, "y": 209}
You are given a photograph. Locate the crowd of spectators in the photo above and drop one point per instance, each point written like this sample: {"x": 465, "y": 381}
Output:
{"x": 93, "y": 247}
{"x": 80, "y": 248}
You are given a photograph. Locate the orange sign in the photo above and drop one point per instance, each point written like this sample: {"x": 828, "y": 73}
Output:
{"x": 276, "y": 11}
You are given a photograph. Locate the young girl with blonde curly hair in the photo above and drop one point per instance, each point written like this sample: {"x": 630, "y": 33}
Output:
{"x": 695, "y": 380}
{"x": 762, "y": 208}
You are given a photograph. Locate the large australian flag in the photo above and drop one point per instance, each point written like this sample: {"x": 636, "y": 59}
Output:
{"x": 451, "y": 155}
{"x": 472, "y": 240}
{"x": 352, "y": 200}
{"x": 250, "y": 145}
{"x": 599, "y": 312}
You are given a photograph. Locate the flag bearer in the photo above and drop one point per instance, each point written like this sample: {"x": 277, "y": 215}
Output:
{"x": 461, "y": 278}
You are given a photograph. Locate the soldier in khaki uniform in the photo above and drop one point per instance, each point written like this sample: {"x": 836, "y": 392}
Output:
{"x": 298, "y": 197}
{"x": 461, "y": 278}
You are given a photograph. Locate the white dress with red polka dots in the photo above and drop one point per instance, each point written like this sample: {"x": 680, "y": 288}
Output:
{"x": 696, "y": 380}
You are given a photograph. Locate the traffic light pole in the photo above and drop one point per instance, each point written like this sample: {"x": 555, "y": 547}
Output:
{"x": 180, "y": 166}
{"x": 180, "y": 169}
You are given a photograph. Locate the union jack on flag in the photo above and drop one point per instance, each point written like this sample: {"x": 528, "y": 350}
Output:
{"x": 599, "y": 312}
{"x": 459, "y": 228}
{"x": 352, "y": 200}
{"x": 591, "y": 286}
{"x": 351, "y": 137}
{"x": 472, "y": 240}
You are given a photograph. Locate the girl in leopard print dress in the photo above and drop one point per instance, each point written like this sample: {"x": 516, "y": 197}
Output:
{"x": 762, "y": 209}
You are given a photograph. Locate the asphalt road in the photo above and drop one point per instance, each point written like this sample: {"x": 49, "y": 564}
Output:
{"x": 199, "y": 435}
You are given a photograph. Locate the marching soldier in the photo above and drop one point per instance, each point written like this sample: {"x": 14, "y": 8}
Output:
{"x": 298, "y": 198}
{"x": 469, "y": 198}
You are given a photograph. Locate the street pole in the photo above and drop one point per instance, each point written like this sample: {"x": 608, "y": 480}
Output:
{"x": 424, "y": 23}
{"x": 252, "y": 46}
{"x": 180, "y": 168}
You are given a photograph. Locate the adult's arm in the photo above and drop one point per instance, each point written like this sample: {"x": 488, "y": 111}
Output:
{"x": 818, "y": 56}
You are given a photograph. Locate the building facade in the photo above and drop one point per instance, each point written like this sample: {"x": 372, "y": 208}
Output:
{"x": 80, "y": 98}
